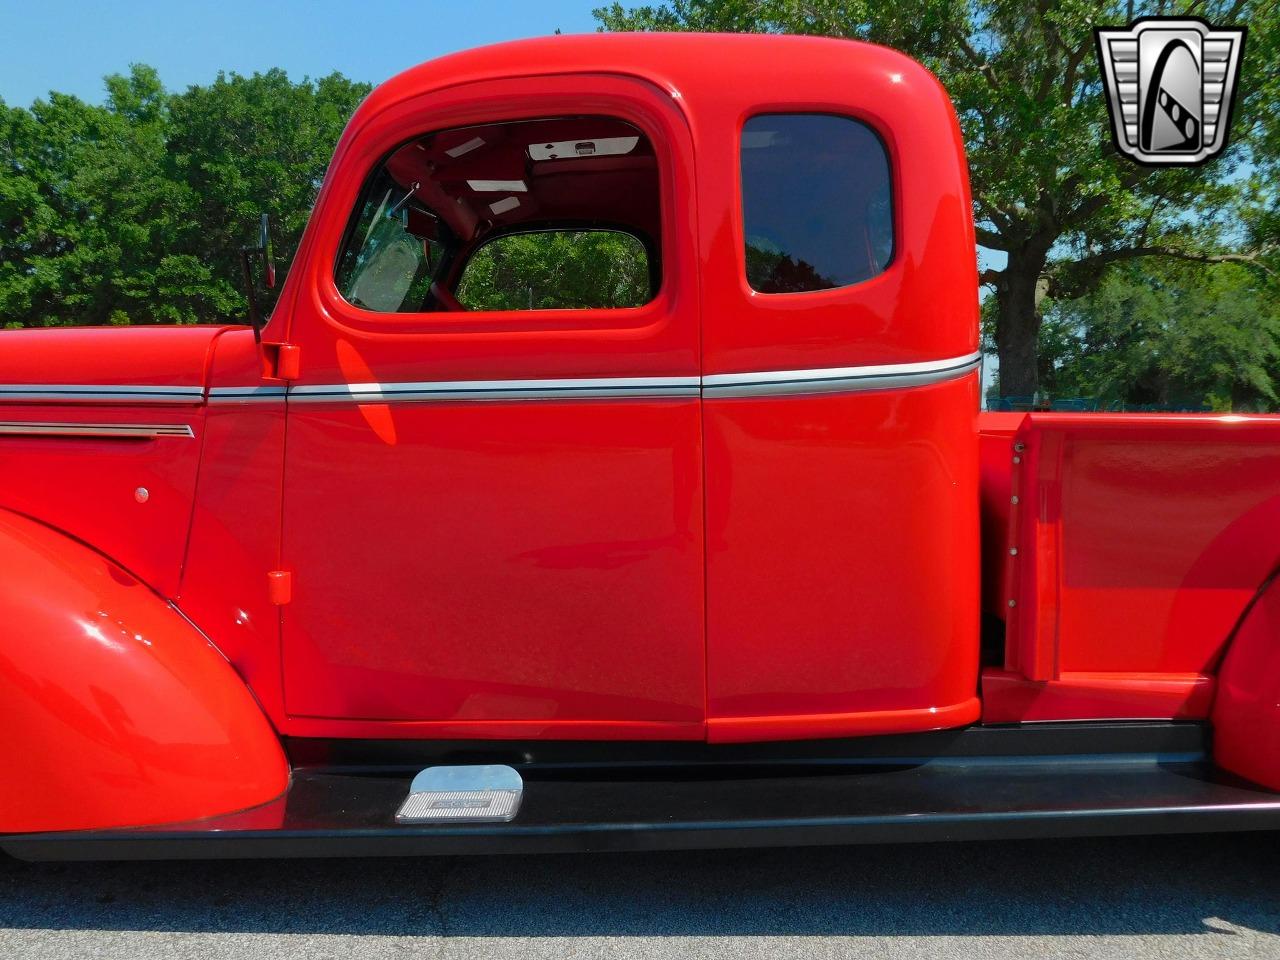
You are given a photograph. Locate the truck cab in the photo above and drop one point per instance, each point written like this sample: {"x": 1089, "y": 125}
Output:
{"x": 662, "y": 500}
{"x": 620, "y": 407}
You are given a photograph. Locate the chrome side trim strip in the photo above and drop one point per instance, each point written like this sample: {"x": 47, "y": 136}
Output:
{"x": 570, "y": 389}
{"x": 99, "y": 393}
{"x": 119, "y": 430}
{"x": 246, "y": 394}
{"x": 884, "y": 376}
{"x": 887, "y": 376}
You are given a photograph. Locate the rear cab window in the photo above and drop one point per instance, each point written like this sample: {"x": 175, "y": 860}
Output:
{"x": 816, "y": 202}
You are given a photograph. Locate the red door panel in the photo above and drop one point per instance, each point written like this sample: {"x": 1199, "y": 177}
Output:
{"x": 497, "y": 561}
{"x": 842, "y": 577}
{"x": 841, "y": 468}
{"x": 498, "y": 567}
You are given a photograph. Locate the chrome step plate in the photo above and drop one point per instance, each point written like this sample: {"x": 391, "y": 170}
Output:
{"x": 483, "y": 793}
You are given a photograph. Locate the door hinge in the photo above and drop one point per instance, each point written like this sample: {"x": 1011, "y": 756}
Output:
{"x": 281, "y": 361}
{"x": 289, "y": 362}
{"x": 279, "y": 587}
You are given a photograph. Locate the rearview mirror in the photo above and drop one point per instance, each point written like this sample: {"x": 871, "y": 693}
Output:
{"x": 421, "y": 224}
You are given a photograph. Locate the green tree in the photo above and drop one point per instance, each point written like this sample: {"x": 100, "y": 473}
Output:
{"x": 1167, "y": 333}
{"x": 562, "y": 269}
{"x": 1050, "y": 192}
{"x": 248, "y": 145}
{"x": 53, "y": 160}
{"x": 133, "y": 211}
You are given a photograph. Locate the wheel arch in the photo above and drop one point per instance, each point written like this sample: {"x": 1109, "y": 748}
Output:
{"x": 117, "y": 710}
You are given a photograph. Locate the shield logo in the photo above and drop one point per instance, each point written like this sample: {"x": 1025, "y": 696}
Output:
{"x": 1170, "y": 86}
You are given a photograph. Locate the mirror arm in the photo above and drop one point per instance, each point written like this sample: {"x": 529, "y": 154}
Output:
{"x": 247, "y": 256}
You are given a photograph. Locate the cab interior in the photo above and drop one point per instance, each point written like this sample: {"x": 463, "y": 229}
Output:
{"x": 438, "y": 200}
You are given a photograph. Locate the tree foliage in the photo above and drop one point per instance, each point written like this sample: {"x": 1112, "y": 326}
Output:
{"x": 1051, "y": 194}
{"x": 1164, "y": 334}
{"x": 558, "y": 269}
{"x": 133, "y": 211}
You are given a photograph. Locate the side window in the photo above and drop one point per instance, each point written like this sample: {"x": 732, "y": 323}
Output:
{"x": 385, "y": 267}
{"x": 556, "y": 270}
{"x": 816, "y": 202}
{"x": 556, "y": 213}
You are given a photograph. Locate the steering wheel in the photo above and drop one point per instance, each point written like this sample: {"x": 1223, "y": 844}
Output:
{"x": 445, "y": 298}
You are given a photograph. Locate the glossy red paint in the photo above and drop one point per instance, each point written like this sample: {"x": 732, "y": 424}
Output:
{"x": 88, "y": 486}
{"x": 472, "y": 729}
{"x": 923, "y": 306}
{"x": 1140, "y": 539}
{"x": 1010, "y": 698}
{"x": 467, "y": 624}
{"x": 995, "y": 469}
{"x": 630, "y": 567}
{"x": 841, "y": 578}
{"x": 842, "y": 543}
{"x": 865, "y": 723}
{"x": 703, "y": 87}
{"x": 1246, "y": 712}
{"x": 338, "y": 342}
{"x": 498, "y": 562}
{"x": 235, "y": 527}
{"x": 152, "y": 356}
{"x": 125, "y": 714}
{"x": 495, "y": 561}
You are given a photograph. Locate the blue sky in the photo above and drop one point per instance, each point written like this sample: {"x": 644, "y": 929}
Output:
{"x": 69, "y": 47}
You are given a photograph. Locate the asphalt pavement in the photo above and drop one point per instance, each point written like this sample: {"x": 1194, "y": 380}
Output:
{"x": 1192, "y": 896}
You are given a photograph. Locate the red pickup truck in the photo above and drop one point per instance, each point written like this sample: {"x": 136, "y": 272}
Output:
{"x": 610, "y": 475}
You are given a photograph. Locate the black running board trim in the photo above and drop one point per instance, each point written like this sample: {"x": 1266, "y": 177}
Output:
{"x": 342, "y": 814}
{"x": 1002, "y": 740}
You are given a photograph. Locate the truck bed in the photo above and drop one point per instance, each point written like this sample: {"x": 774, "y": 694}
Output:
{"x": 1119, "y": 551}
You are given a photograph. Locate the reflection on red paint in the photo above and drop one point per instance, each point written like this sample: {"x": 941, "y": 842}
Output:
{"x": 354, "y": 370}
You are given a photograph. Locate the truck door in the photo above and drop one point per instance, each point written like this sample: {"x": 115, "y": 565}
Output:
{"x": 840, "y": 388}
{"x": 493, "y": 485}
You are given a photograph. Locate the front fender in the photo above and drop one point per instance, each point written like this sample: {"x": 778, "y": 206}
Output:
{"x": 115, "y": 710}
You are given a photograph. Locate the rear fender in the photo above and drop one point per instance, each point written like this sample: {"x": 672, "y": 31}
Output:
{"x": 116, "y": 710}
{"x": 1246, "y": 710}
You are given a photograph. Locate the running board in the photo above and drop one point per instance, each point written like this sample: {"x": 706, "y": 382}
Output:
{"x": 335, "y": 813}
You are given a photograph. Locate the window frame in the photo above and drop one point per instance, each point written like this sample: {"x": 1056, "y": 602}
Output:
{"x": 646, "y": 315}
{"x": 895, "y": 218}
{"x": 362, "y": 198}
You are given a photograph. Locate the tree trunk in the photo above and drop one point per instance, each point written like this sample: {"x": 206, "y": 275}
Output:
{"x": 1018, "y": 326}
